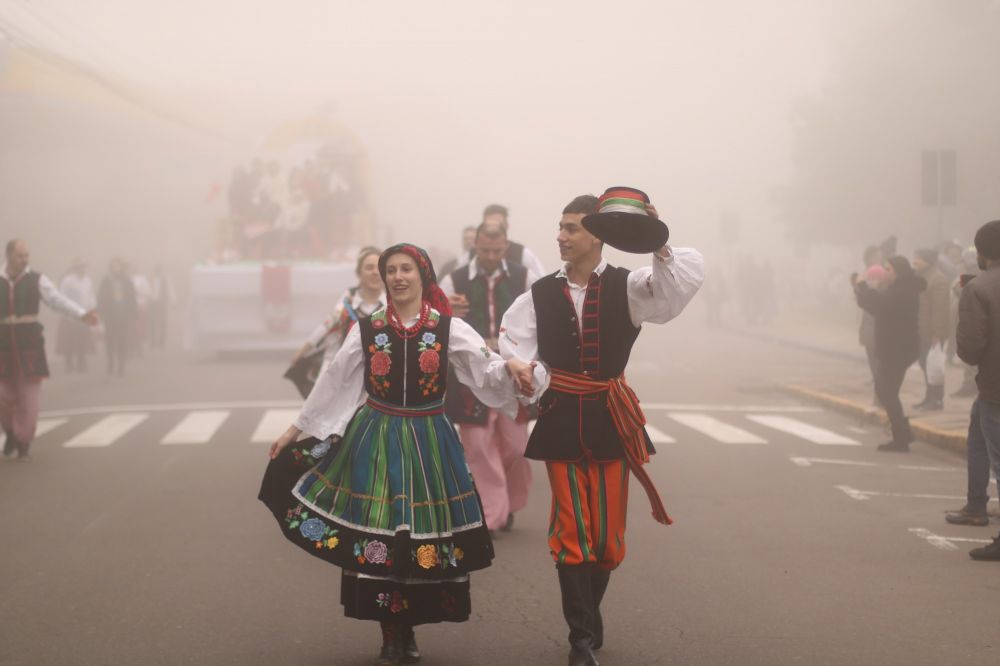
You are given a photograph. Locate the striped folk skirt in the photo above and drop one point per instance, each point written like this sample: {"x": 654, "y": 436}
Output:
{"x": 393, "y": 504}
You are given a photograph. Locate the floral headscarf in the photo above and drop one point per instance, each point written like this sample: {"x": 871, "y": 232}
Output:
{"x": 432, "y": 292}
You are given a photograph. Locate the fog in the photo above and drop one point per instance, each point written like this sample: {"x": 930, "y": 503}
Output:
{"x": 781, "y": 128}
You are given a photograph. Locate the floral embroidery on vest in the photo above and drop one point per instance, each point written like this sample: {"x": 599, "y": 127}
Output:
{"x": 381, "y": 361}
{"x": 430, "y": 363}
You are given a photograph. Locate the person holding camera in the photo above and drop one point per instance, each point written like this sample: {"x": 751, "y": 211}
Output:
{"x": 977, "y": 344}
{"x": 897, "y": 340}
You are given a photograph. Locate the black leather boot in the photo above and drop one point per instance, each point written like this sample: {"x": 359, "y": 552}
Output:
{"x": 578, "y": 609}
{"x": 10, "y": 445}
{"x": 392, "y": 645}
{"x": 598, "y": 585}
{"x": 411, "y": 653}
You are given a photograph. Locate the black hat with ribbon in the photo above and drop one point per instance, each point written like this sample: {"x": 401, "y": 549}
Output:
{"x": 623, "y": 222}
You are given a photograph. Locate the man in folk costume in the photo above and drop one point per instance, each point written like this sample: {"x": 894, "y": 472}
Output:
{"x": 580, "y": 324}
{"x": 480, "y": 293}
{"x": 22, "y": 348}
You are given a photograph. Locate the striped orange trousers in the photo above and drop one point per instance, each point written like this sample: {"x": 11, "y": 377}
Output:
{"x": 589, "y": 503}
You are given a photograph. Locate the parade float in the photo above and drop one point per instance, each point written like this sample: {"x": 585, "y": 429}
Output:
{"x": 286, "y": 249}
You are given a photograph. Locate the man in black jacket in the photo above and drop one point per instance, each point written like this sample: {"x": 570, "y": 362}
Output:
{"x": 978, "y": 345}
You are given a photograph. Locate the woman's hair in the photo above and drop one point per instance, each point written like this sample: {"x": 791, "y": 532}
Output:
{"x": 365, "y": 252}
{"x": 901, "y": 265}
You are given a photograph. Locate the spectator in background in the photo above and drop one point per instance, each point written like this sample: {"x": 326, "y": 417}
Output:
{"x": 896, "y": 311}
{"x": 935, "y": 322}
{"x": 875, "y": 278}
{"x": 969, "y": 269}
{"x": 140, "y": 324}
{"x": 161, "y": 297}
{"x": 117, "y": 307}
{"x": 468, "y": 245}
{"x": 74, "y": 334}
{"x": 495, "y": 214}
{"x": 979, "y": 345}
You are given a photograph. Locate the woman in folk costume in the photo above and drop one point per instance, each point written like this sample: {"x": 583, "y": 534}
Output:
{"x": 324, "y": 342}
{"x": 381, "y": 487}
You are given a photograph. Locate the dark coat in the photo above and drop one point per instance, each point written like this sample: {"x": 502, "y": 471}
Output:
{"x": 896, "y": 311}
{"x": 978, "y": 330}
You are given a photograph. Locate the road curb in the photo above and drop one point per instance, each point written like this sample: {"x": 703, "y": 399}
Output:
{"x": 952, "y": 441}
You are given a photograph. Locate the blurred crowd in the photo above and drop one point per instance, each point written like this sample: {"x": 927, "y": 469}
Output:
{"x": 939, "y": 306}
{"x": 133, "y": 306}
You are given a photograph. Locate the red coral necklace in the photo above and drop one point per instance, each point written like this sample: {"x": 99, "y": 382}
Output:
{"x": 396, "y": 322}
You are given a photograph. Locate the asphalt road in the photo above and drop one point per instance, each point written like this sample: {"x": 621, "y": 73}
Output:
{"x": 794, "y": 542}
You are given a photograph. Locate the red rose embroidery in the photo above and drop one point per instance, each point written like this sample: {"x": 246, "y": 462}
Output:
{"x": 430, "y": 361}
{"x": 380, "y": 363}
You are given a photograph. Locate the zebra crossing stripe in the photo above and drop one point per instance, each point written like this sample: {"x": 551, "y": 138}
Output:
{"x": 657, "y": 436}
{"x": 196, "y": 427}
{"x": 803, "y": 430}
{"x": 273, "y": 423}
{"x": 48, "y": 425}
{"x": 106, "y": 431}
{"x": 718, "y": 430}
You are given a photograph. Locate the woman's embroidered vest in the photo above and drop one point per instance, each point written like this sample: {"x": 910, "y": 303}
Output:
{"x": 408, "y": 372}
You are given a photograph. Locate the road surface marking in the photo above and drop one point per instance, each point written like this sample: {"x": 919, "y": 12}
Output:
{"x": 943, "y": 542}
{"x": 174, "y": 407}
{"x": 684, "y": 407}
{"x": 196, "y": 427}
{"x": 657, "y": 436}
{"x": 808, "y": 432}
{"x": 106, "y": 431}
{"x": 930, "y": 468}
{"x": 48, "y": 425}
{"x": 716, "y": 429}
{"x": 808, "y": 462}
{"x": 854, "y": 493}
{"x": 273, "y": 423}
{"x": 803, "y": 461}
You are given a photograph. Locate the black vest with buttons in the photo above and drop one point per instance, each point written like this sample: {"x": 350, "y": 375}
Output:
{"x": 22, "y": 346}
{"x": 573, "y": 427}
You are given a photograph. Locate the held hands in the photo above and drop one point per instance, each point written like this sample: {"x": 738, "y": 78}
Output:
{"x": 90, "y": 318}
{"x": 522, "y": 373}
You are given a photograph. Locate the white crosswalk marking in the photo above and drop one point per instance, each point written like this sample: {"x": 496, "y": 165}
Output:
{"x": 106, "y": 431}
{"x": 196, "y": 427}
{"x": 48, "y": 425}
{"x": 657, "y": 436}
{"x": 716, "y": 429}
{"x": 44, "y": 426}
{"x": 806, "y": 431}
{"x": 273, "y": 423}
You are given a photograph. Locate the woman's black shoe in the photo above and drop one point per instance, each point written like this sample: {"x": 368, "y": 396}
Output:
{"x": 392, "y": 646}
{"x": 411, "y": 653}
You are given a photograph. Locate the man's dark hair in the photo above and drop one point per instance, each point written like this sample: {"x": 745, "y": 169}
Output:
{"x": 988, "y": 240}
{"x": 495, "y": 209}
{"x": 586, "y": 204}
{"x": 491, "y": 231}
{"x": 11, "y": 244}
